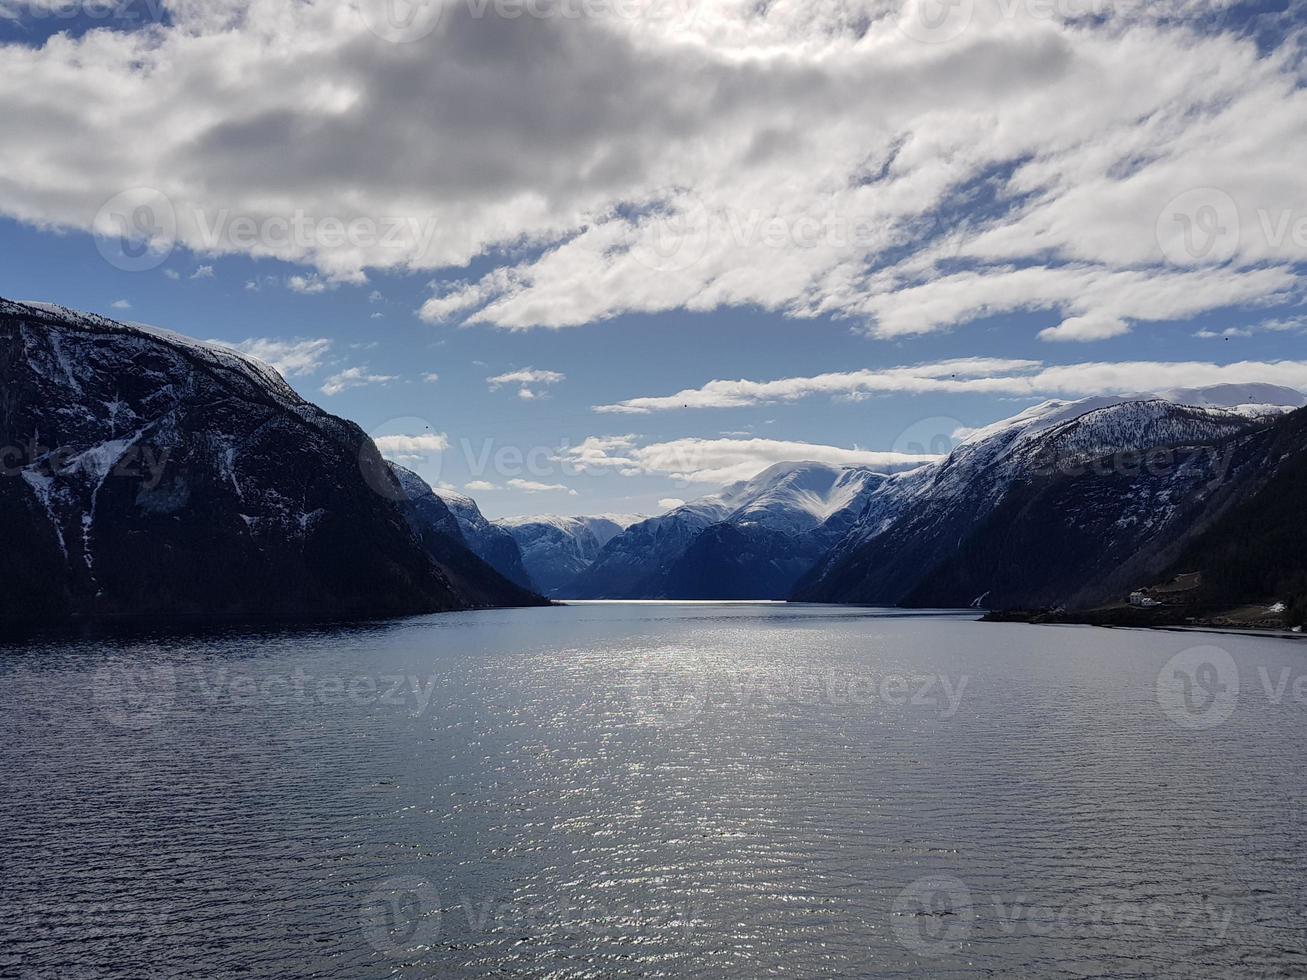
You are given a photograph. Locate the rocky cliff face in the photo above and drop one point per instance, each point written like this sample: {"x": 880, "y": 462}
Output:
{"x": 148, "y": 475}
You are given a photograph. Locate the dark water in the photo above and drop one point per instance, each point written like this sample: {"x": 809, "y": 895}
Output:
{"x": 654, "y": 791}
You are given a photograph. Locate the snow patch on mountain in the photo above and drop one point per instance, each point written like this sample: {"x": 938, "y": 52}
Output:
{"x": 555, "y": 549}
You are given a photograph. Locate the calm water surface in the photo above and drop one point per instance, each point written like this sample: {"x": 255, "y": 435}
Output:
{"x": 619, "y": 790}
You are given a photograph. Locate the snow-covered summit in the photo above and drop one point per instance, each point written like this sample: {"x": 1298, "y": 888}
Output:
{"x": 1247, "y": 400}
{"x": 795, "y": 496}
{"x": 790, "y": 509}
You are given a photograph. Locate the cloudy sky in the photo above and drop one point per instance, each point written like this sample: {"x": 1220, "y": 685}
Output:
{"x": 574, "y": 256}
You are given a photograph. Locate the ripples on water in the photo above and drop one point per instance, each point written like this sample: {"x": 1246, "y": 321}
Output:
{"x": 653, "y": 791}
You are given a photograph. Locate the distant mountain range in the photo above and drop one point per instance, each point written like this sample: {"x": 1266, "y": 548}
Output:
{"x": 555, "y": 550}
{"x": 151, "y": 476}
{"x": 1068, "y": 505}
{"x": 752, "y": 539}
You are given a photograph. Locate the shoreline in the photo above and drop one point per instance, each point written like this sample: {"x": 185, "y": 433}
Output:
{"x": 1138, "y": 619}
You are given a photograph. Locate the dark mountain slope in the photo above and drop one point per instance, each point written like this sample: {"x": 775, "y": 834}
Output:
{"x": 147, "y": 475}
{"x": 750, "y": 561}
{"x": 445, "y": 539}
{"x": 1066, "y": 505}
{"x": 490, "y": 542}
{"x": 1256, "y": 550}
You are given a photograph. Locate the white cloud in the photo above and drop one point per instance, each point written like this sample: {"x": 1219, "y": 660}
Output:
{"x": 526, "y": 376}
{"x": 1290, "y": 324}
{"x": 121, "y": 304}
{"x": 1227, "y": 333}
{"x": 309, "y": 285}
{"x": 939, "y": 376}
{"x": 803, "y": 157}
{"x": 355, "y": 377}
{"x": 532, "y": 486}
{"x": 990, "y": 376}
{"x": 1084, "y": 328}
{"x": 671, "y": 503}
{"x": 430, "y": 377}
{"x": 694, "y": 460}
{"x": 412, "y": 446}
{"x": 479, "y": 486}
{"x": 289, "y": 357}
{"x": 172, "y": 274}
{"x": 203, "y": 272}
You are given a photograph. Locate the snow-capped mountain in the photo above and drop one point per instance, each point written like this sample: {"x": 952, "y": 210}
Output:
{"x": 752, "y": 539}
{"x": 147, "y": 474}
{"x": 556, "y": 549}
{"x": 492, "y": 543}
{"x": 1049, "y": 506}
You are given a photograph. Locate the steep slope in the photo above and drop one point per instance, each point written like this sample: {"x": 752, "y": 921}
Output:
{"x": 494, "y": 545}
{"x": 145, "y": 474}
{"x": 556, "y": 549}
{"x": 750, "y": 540}
{"x": 1063, "y": 503}
{"x": 443, "y": 535}
{"x": 1255, "y": 550}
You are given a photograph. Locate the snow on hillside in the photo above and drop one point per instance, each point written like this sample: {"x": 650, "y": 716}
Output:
{"x": 215, "y": 354}
{"x": 1054, "y": 436}
{"x": 797, "y": 496}
{"x": 556, "y": 549}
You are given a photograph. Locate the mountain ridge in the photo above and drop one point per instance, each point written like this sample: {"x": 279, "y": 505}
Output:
{"x": 1097, "y": 485}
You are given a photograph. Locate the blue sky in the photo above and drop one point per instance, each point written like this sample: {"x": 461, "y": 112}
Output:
{"x": 646, "y": 242}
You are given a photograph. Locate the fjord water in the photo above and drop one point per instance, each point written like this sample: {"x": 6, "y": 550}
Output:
{"x": 647, "y": 790}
